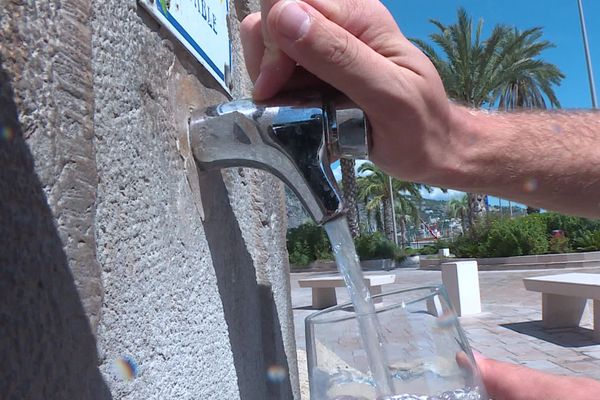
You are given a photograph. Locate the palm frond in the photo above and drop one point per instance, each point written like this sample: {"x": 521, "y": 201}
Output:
{"x": 486, "y": 72}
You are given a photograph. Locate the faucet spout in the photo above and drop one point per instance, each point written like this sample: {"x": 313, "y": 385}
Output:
{"x": 296, "y": 139}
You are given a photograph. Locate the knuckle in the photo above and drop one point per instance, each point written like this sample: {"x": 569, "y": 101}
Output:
{"x": 357, "y": 12}
{"x": 342, "y": 53}
{"x": 357, "y": 9}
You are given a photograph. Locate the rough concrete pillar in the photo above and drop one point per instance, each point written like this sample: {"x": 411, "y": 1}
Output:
{"x": 101, "y": 231}
{"x": 50, "y": 287}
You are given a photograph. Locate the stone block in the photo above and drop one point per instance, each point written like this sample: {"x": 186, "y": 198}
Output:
{"x": 461, "y": 279}
{"x": 444, "y": 252}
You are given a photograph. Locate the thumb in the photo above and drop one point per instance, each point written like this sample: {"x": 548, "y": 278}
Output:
{"x": 276, "y": 67}
{"x": 328, "y": 51}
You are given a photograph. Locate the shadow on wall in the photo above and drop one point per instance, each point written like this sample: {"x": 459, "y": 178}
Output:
{"x": 250, "y": 312}
{"x": 47, "y": 349}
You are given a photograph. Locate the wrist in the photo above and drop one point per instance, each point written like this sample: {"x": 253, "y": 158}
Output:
{"x": 455, "y": 164}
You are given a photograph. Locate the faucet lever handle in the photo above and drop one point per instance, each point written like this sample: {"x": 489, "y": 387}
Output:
{"x": 349, "y": 133}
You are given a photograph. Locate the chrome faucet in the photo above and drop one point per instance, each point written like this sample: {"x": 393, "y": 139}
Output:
{"x": 296, "y": 138}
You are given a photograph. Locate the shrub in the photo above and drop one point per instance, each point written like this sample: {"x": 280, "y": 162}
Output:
{"x": 559, "y": 244}
{"x": 464, "y": 246}
{"x": 572, "y": 226}
{"x": 441, "y": 244}
{"x": 307, "y": 243}
{"x": 516, "y": 237}
{"x": 300, "y": 254}
{"x": 472, "y": 243}
{"x": 530, "y": 234}
{"x": 373, "y": 246}
{"x": 589, "y": 241}
{"x": 579, "y": 231}
{"x": 428, "y": 250}
{"x": 409, "y": 251}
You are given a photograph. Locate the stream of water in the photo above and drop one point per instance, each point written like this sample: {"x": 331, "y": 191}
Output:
{"x": 349, "y": 267}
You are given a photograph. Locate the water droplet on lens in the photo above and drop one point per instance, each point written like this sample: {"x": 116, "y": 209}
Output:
{"x": 6, "y": 134}
{"x": 276, "y": 374}
{"x": 126, "y": 368}
{"x": 531, "y": 185}
{"x": 556, "y": 128}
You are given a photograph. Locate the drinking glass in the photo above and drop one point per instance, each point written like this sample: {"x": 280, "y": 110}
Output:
{"x": 425, "y": 351}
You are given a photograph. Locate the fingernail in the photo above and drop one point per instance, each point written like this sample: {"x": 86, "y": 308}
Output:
{"x": 293, "y": 21}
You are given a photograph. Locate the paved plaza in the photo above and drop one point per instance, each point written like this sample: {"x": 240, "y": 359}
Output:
{"x": 508, "y": 329}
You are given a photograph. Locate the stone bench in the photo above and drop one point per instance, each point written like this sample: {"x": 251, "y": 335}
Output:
{"x": 323, "y": 287}
{"x": 564, "y": 297}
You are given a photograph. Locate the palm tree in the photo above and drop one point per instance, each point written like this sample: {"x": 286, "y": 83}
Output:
{"x": 459, "y": 208}
{"x": 374, "y": 190}
{"x": 349, "y": 192}
{"x": 470, "y": 67}
{"x": 482, "y": 72}
{"x": 529, "y": 80}
{"x": 406, "y": 211}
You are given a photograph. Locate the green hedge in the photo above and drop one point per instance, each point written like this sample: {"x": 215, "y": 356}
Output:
{"x": 309, "y": 242}
{"x": 588, "y": 241}
{"x": 528, "y": 235}
{"x": 374, "y": 246}
{"x": 493, "y": 237}
{"x": 516, "y": 237}
{"x": 583, "y": 234}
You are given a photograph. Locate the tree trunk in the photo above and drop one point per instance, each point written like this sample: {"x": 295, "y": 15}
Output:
{"x": 379, "y": 223}
{"x": 349, "y": 189}
{"x": 369, "y": 221}
{"x": 463, "y": 222}
{"x": 388, "y": 223}
{"x": 532, "y": 210}
{"x": 477, "y": 207}
{"x": 403, "y": 231}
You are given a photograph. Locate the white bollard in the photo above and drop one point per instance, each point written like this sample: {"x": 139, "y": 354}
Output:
{"x": 461, "y": 279}
{"x": 445, "y": 252}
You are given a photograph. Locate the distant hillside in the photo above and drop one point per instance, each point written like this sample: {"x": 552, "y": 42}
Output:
{"x": 432, "y": 208}
{"x": 438, "y": 209}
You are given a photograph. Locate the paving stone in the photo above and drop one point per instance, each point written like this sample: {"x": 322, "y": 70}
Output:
{"x": 543, "y": 365}
{"x": 581, "y": 366}
{"x": 570, "y": 357}
{"x": 593, "y": 354}
{"x": 530, "y": 354}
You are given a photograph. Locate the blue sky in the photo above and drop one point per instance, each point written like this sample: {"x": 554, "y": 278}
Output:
{"x": 559, "y": 18}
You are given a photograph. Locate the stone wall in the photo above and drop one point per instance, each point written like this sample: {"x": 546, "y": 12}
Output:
{"x": 105, "y": 254}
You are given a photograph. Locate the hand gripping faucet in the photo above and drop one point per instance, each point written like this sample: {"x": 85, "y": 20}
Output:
{"x": 296, "y": 138}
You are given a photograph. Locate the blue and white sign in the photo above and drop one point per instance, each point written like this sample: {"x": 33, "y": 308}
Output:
{"x": 201, "y": 26}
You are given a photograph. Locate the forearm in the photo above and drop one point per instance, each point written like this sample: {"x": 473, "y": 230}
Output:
{"x": 544, "y": 159}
